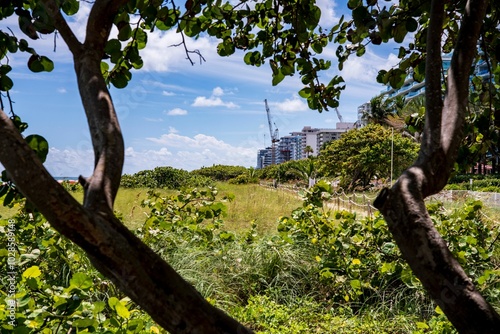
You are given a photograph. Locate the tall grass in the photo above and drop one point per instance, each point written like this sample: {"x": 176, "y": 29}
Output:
{"x": 255, "y": 203}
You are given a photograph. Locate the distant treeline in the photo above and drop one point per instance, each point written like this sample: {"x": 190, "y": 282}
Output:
{"x": 174, "y": 178}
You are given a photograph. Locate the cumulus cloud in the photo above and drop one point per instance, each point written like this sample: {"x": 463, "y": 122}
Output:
{"x": 170, "y": 149}
{"x": 295, "y": 104}
{"x": 328, "y": 14}
{"x": 214, "y": 100}
{"x": 202, "y": 150}
{"x": 176, "y": 112}
{"x": 217, "y": 91}
{"x": 70, "y": 162}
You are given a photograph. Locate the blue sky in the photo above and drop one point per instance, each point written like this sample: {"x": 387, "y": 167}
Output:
{"x": 175, "y": 114}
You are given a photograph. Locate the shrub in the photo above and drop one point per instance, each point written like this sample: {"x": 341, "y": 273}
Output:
{"x": 58, "y": 290}
{"x": 164, "y": 177}
{"x": 243, "y": 179}
{"x": 220, "y": 172}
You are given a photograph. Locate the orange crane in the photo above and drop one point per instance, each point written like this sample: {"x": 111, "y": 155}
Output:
{"x": 274, "y": 134}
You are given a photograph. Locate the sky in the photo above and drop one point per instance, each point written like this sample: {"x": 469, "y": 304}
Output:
{"x": 176, "y": 114}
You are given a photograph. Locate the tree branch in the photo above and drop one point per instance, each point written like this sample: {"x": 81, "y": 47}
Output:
{"x": 62, "y": 26}
{"x": 403, "y": 205}
{"x": 115, "y": 251}
{"x": 100, "y": 22}
{"x": 107, "y": 140}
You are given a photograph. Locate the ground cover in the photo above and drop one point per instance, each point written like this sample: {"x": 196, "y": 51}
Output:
{"x": 296, "y": 269}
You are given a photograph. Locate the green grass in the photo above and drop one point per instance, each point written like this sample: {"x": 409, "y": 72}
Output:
{"x": 253, "y": 202}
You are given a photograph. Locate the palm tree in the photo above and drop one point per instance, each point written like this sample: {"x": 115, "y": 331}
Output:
{"x": 382, "y": 109}
{"x": 410, "y": 118}
{"x": 306, "y": 170}
{"x": 307, "y": 150}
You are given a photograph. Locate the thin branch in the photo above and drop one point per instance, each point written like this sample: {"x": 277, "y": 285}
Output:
{"x": 62, "y": 26}
{"x": 183, "y": 43}
{"x": 100, "y": 22}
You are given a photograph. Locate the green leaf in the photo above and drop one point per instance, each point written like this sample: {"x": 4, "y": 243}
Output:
{"x": 32, "y": 283}
{"x": 5, "y": 83}
{"x": 26, "y": 25}
{"x": 39, "y": 145}
{"x": 38, "y": 63}
{"x": 120, "y": 309}
{"x": 81, "y": 281}
{"x": 355, "y": 284}
{"x": 141, "y": 38}
{"x": 360, "y": 50}
{"x": 113, "y": 46}
{"x": 411, "y": 24}
{"x": 120, "y": 79}
{"x": 9, "y": 197}
{"x": 85, "y": 323}
{"x": 70, "y": 7}
{"x": 351, "y": 4}
{"x": 33, "y": 271}
{"x": 125, "y": 32}
{"x": 399, "y": 33}
{"x": 305, "y": 92}
{"x": 278, "y": 77}
{"x": 317, "y": 47}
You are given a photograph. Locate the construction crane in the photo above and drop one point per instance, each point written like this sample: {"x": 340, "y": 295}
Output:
{"x": 274, "y": 134}
{"x": 339, "y": 115}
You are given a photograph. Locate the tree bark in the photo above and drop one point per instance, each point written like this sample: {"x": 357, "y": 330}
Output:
{"x": 403, "y": 205}
{"x": 115, "y": 251}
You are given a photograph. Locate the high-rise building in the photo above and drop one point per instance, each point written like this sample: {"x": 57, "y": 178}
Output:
{"x": 264, "y": 158}
{"x": 295, "y": 146}
{"x": 412, "y": 88}
{"x": 289, "y": 148}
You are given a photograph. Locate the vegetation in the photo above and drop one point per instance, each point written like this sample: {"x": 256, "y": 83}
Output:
{"x": 362, "y": 155}
{"x": 164, "y": 177}
{"x": 268, "y": 32}
{"x": 222, "y": 173}
{"x": 318, "y": 271}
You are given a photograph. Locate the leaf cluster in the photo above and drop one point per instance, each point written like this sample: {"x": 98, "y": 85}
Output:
{"x": 360, "y": 260}
{"x": 56, "y": 288}
{"x": 362, "y": 154}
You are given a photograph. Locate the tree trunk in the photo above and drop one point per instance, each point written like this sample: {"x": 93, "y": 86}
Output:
{"x": 115, "y": 251}
{"x": 403, "y": 205}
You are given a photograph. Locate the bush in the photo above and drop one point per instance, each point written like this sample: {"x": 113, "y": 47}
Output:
{"x": 164, "y": 177}
{"x": 243, "y": 179}
{"x": 57, "y": 288}
{"x": 221, "y": 172}
{"x": 320, "y": 269}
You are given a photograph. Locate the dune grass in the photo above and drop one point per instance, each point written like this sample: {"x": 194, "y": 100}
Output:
{"x": 256, "y": 203}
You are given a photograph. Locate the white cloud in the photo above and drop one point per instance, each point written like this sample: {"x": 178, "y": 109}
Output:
{"x": 201, "y": 150}
{"x": 214, "y": 100}
{"x": 293, "y": 105}
{"x": 174, "y": 150}
{"x": 70, "y": 162}
{"x": 154, "y": 120}
{"x": 161, "y": 54}
{"x": 365, "y": 69}
{"x": 167, "y": 93}
{"x": 202, "y": 101}
{"x": 62, "y": 90}
{"x": 217, "y": 91}
{"x": 328, "y": 15}
{"x": 176, "y": 112}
